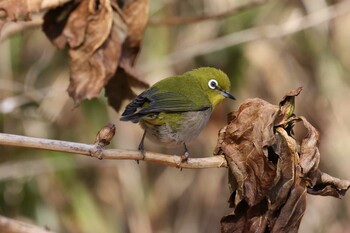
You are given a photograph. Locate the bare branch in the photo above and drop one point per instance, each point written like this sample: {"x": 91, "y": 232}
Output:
{"x": 196, "y": 19}
{"x": 113, "y": 154}
{"x": 8, "y": 225}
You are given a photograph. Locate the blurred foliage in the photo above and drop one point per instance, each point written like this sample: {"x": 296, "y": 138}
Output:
{"x": 78, "y": 194}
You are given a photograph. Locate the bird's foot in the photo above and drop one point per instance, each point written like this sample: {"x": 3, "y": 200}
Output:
{"x": 143, "y": 153}
{"x": 184, "y": 157}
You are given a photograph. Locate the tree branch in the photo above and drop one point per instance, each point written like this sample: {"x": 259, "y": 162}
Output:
{"x": 113, "y": 154}
{"x": 196, "y": 19}
{"x": 8, "y": 225}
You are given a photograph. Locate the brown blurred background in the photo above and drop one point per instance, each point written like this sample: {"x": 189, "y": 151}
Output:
{"x": 266, "y": 51}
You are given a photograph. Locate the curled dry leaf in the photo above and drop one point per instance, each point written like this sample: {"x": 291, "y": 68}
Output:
{"x": 270, "y": 172}
{"x": 135, "y": 13}
{"x": 98, "y": 35}
{"x": 55, "y": 21}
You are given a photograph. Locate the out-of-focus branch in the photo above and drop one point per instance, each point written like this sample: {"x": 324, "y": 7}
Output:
{"x": 113, "y": 154}
{"x": 8, "y": 225}
{"x": 196, "y": 19}
{"x": 249, "y": 35}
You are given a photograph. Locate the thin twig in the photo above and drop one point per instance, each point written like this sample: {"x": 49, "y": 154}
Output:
{"x": 113, "y": 154}
{"x": 8, "y": 225}
{"x": 196, "y": 19}
{"x": 249, "y": 35}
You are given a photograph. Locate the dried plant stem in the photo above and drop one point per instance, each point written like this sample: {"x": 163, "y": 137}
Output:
{"x": 8, "y": 225}
{"x": 196, "y": 19}
{"x": 113, "y": 154}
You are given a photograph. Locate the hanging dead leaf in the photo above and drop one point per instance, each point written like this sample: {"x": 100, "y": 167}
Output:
{"x": 87, "y": 32}
{"x": 309, "y": 153}
{"x": 327, "y": 185}
{"x": 99, "y": 39}
{"x": 135, "y": 13}
{"x": 247, "y": 138}
{"x": 119, "y": 89}
{"x": 269, "y": 171}
{"x": 55, "y": 21}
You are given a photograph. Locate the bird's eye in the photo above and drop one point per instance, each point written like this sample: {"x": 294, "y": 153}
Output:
{"x": 212, "y": 84}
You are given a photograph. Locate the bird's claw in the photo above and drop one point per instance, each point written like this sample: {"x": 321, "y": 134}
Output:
{"x": 184, "y": 157}
{"x": 143, "y": 153}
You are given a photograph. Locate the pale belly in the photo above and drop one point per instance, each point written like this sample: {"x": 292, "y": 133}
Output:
{"x": 185, "y": 131}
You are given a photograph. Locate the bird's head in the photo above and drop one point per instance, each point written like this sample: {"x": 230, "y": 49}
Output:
{"x": 215, "y": 84}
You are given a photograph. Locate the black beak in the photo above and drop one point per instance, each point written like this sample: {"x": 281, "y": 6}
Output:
{"x": 226, "y": 94}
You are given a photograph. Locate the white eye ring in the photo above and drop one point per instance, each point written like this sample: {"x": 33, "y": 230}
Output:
{"x": 212, "y": 84}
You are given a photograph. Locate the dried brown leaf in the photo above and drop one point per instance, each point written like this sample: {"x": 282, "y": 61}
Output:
{"x": 245, "y": 146}
{"x": 103, "y": 43}
{"x": 94, "y": 46}
{"x": 118, "y": 89}
{"x": 246, "y": 219}
{"x": 285, "y": 149}
{"x": 287, "y": 104}
{"x": 88, "y": 33}
{"x": 269, "y": 170}
{"x": 291, "y": 213}
{"x": 309, "y": 153}
{"x": 136, "y": 17}
{"x": 55, "y": 21}
{"x": 327, "y": 185}
{"x": 135, "y": 13}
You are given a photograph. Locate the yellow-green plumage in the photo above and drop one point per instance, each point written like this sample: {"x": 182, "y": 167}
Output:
{"x": 174, "y": 110}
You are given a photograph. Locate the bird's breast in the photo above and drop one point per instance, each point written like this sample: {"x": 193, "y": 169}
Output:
{"x": 176, "y": 128}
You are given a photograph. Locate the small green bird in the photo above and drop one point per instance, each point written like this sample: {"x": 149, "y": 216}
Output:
{"x": 175, "y": 110}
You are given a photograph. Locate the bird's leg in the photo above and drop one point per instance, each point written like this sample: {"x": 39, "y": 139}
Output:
{"x": 141, "y": 146}
{"x": 187, "y": 154}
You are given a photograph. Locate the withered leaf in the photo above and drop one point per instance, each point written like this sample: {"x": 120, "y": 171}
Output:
{"x": 101, "y": 40}
{"x": 246, "y": 219}
{"x": 270, "y": 172}
{"x": 54, "y": 22}
{"x": 327, "y": 185}
{"x": 245, "y": 146}
{"x": 118, "y": 89}
{"x": 87, "y": 30}
{"x": 135, "y": 13}
{"x": 287, "y": 104}
{"x": 94, "y": 45}
{"x": 309, "y": 153}
{"x": 289, "y": 217}
{"x": 286, "y": 150}
{"x": 136, "y": 17}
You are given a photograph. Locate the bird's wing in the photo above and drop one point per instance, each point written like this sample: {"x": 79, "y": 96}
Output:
{"x": 153, "y": 101}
